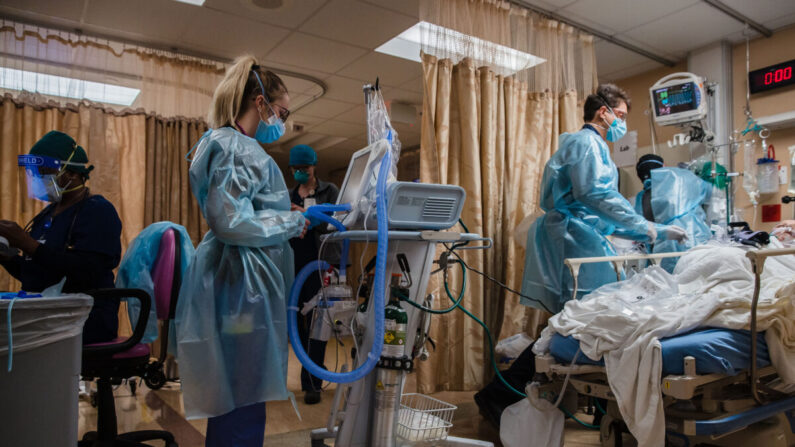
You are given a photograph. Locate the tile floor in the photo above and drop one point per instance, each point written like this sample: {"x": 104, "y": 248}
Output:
{"x": 162, "y": 410}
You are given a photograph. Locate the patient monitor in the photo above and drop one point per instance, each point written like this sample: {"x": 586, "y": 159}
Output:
{"x": 411, "y": 206}
{"x": 678, "y": 98}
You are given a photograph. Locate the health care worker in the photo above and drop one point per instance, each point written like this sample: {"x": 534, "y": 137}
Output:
{"x": 673, "y": 196}
{"x": 77, "y": 237}
{"x": 231, "y": 315}
{"x": 309, "y": 191}
{"x": 582, "y": 207}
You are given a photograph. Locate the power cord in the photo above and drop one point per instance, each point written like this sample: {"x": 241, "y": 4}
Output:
{"x": 494, "y": 280}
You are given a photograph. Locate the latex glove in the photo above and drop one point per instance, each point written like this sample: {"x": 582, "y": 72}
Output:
{"x": 678, "y": 234}
{"x": 651, "y": 231}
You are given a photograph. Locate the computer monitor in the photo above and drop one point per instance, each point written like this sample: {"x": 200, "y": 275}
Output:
{"x": 362, "y": 173}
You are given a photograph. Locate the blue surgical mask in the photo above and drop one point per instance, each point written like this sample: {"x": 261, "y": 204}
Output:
{"x": 617, "y": 129}
{"x": 273, "y": 129}
{"x": 269, "y": 131}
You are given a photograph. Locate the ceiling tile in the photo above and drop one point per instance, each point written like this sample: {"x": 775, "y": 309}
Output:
{"x": 357, "y": 115}
{"x": 390, "y": 70}
{"x": 762, "y": 10}
{"x": 409, "y": 7}
{"x": 64, "y": 9}
{"x": 630, "y": 71}
{"x": 326, "y": 108}
{"x": 307, "y": 138}
{"x": 305, "y": 120}
{"x": 551, "y": 5}
{"x": 611, "y": 58}
{"x": 299, "y": 85}
{"x": 285, "y": 69}
{"x": 340, "y": 129}
{"x": 303, "y": 50}
{"x": 623, "y": 15}
{"x": 298, "y": 101}
{"x": 696, "y": 26}
{"x": 357, "y": 23}
{"x": 415, "y": 85}
{"x": 150, "y": 18}
{"x": 781, "y": 22}
{"x": 345, "y": 89}
{"x": 250, "y": 37}
{"x": 292, "y": 14}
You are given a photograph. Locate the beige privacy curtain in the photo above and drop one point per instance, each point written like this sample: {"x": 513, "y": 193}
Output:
{"x": 170, "y": 84}
{"x": 492, "y": 135}
{"x": 115, "y": 145}
{"x": 168, "y": 193}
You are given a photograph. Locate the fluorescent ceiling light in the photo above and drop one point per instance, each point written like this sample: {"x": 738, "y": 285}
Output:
{"x": 51, "y": 85}
{"x": 192, "y": 2}
{"x": 407, "y": 45}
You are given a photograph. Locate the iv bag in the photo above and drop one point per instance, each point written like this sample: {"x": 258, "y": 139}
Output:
{"x": 791, "y": 189}
{"x": 749, "y": 171}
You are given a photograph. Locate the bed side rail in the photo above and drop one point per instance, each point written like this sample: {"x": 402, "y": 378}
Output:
{"x": 758, "y": 258}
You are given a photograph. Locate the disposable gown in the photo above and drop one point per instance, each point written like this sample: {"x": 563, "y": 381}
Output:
{"x": 231, "y": 316}
{"x": 582, "y": 207}
{"x": 135, "y": 270}
{"x": 679, "y": 203}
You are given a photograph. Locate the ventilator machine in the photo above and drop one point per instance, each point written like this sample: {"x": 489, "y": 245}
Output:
{"x": 406, "y": 221}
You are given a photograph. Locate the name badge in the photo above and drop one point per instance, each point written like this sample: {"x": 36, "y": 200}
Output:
{"x": 309, "y": 202}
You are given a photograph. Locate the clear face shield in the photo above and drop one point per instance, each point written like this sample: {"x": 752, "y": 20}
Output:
{"x": 41, "y": 175}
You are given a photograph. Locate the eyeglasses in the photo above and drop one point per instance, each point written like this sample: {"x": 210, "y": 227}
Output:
{"x": 284, "y": 112}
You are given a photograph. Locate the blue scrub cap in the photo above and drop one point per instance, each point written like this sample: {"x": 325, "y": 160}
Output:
{"x": 302, "y": 155}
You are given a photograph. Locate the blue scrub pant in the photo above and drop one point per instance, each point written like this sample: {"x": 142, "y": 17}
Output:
{"x": 241, "y": 427}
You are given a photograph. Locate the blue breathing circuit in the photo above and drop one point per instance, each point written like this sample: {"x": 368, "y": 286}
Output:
{"x": 373, "y": 356}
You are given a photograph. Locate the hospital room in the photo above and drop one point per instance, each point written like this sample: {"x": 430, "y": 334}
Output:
{"x": 397, "y": 223}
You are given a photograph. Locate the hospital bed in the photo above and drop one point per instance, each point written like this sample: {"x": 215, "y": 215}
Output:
{"x": 713, "y": 393}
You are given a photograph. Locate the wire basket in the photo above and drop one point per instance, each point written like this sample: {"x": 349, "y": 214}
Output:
{"x": 423, "y": 418}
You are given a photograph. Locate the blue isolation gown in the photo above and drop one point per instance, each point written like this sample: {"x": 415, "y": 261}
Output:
{"x": 582, "y": 207}
{"x": 679, "y": 203}
{"x": 135, "y": 271}
{"x": 232, "y": 316}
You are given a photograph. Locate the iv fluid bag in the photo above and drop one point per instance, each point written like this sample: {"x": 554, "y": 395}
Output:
{"x": 791, "y": 189}
{"x": 749, "y": 171}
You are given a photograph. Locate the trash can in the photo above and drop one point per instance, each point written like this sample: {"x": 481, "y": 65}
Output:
{"x": 39, "y": 403}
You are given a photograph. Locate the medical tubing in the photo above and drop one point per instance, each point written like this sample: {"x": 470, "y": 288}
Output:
{"x": 452, "y": 251}
{"x": 502, "y": 379}
{"x": 584, "y": 424}
{"x": 599, "y": 406}
{"x": 378, "y": 299}
{"x": 318, "y": 212}
{"x": 491, "y": 345}
{"x": 295, "y": 340}
{"x": 456, "y": 302}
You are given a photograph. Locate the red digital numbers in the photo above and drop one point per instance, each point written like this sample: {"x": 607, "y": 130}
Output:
{"x": 774, "y": 77}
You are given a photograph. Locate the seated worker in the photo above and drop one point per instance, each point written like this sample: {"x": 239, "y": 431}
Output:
{"x": 582, "y": 205}
{"x": 309, "y": 191}
{"x": 680, "y": 204}
{"x": 77, "y": 236}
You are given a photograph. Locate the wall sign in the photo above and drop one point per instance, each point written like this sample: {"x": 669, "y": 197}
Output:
{"x": 774, "y": 76}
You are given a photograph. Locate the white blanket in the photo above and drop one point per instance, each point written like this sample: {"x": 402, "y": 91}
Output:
{"x": 712, "y": 286}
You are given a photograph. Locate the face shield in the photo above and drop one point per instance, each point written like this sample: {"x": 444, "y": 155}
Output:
{"x": 42, "y": 175}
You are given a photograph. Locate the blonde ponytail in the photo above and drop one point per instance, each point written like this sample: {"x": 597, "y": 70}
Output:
{"x": 238, "y": 85}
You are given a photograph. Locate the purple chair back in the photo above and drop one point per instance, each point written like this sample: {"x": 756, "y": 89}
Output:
{"x": 166, "y": 275}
